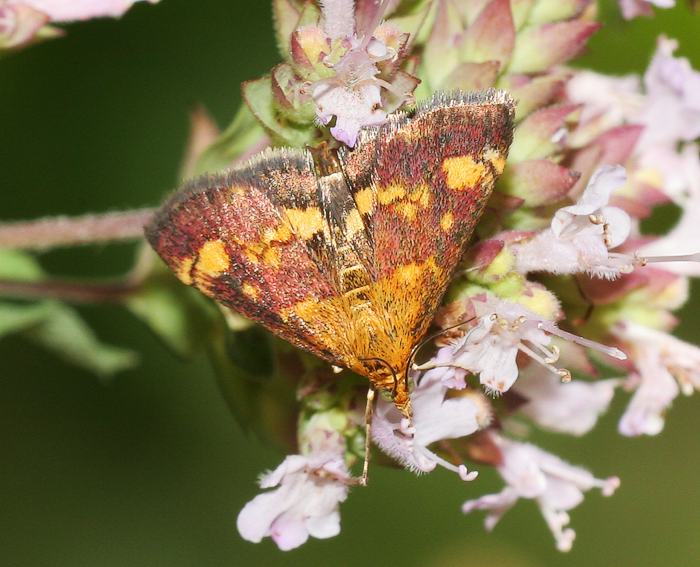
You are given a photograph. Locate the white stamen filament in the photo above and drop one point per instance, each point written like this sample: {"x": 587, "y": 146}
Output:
{"x": 552, "y": 329}
{"x": 695, "y": 257}
{"x": 537, "y": 358}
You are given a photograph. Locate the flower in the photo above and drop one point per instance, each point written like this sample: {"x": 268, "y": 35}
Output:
{"x": 24, "y": 21}
{"x": 556, "y": 486}
{"x": 19, "y": 24}
{"x": 633, "y": 8}
{"x": 572, "y": 407}
{"x": 666, "y": 366}
{"x": 305, "y": 502}
{"x": 672, "y": 110}
{"x": 353, "y": 91}
{"x": 438, "y": 414}
{"x": 490, "y": 348}
{"x": 581, "y": 235}
{"x": 71, "y": 10}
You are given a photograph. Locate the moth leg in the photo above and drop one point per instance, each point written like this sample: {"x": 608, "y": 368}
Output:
{"x": 369, "y": 411}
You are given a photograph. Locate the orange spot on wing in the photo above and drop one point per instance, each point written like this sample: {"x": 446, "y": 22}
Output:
{"x": 446, "y": 222}
{"x": 305, "y": 222}
{"x": 183, "y": 270}
{"x": 462, "y": 172}
{"x": 212, "y": 259}
{"x": 250, "y": 291}
{"x": 364, "y": 199}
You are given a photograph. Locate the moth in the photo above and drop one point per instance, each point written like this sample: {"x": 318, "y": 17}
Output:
{"x": 345, "y": 253}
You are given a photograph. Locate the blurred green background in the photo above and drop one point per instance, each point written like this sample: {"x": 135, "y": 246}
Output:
{"x": 151, "y": 469}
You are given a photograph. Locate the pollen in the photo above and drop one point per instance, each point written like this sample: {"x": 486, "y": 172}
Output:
{"x": 462, "y": 172}
{"x": 447, "y": 220}
{"x": 213, "y": 260}
{"x": 305, "y": 222}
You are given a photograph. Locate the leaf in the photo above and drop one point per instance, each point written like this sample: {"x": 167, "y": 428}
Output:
{"x": 180, "y": 316}
{"x": 260, "y": 396}
{"x": 242, "y": 134}
{"x": 53, "y": 325}
{"x": 258, "y": 95}
{"x": 17, "y": 317}
{"x": 67, "y": 335}
{"x": 285, "y": 15}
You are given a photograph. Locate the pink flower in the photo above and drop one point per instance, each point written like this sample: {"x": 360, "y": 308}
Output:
{"x": 490, "y": 348}
{"x": 666, "y": 366}
{"x": 71, "y": 10}
{"x": 19, "y": 24}
{"x": 682, "y": 173}
{"x": 436, "y": 416}
{"x": 304, "y": 502}
{"x": 556, "y": 487}
{"x": 581, "y": 235}
{"x": 672, "y": 110}
{"x": 633, "y": 8}
{"x": 572, "y": 407}
{"x": 353, "y": 93}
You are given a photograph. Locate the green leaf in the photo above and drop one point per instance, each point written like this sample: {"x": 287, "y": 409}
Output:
{"x": 260, "y": 99}
{"x": 247, "y": 365}
{"x": 242, "y": 134}
{"x": 18, "y": 265}
{"x": 55, "y": 326}
{"x": 179, "y": 315}
{"x": 67, "y": 335}
{"x": 17, "y": 317}
{"x": 286, "y": 17}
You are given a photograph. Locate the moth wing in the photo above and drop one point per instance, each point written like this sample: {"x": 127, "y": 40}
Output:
{"x": 421, "y": 184}
{"x": 257, "y": 240}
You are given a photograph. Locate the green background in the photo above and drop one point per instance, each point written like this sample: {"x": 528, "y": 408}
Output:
{"x": 151, "y": 469}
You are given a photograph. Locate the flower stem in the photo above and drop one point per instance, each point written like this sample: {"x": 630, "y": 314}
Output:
{"x": 53, "y": 232}
{"x": 72, "y": 291}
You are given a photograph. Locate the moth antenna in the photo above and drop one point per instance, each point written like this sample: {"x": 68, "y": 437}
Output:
{"x": 429, "y": 338}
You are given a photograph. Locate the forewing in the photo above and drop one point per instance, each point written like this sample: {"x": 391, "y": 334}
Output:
{"x": 421, "y": 184}
{"x": 257, "y": 240}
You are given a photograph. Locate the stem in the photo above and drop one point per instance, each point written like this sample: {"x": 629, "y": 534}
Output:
{"x": 53, "y": 232}
{"x": 73, "y": 291}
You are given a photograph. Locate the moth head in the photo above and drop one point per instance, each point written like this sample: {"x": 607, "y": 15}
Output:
{"x": 386, "y": 378}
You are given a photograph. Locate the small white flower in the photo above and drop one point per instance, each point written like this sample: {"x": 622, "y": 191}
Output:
{"x": 607, "y": 102}
{"x": 633, "y": 8}
{"x": 70, "y": 10}
{"x": 555, "y": 485}
{"x": 572, "y": 407}
{"x": 353, "y": 94}
{"x": 666, "y": 367}
{"x": 681, "y": 174}
{"x": 490, "y": 349}
{"x": 437, "y": 415}
{"x": 672, "y": 110}
{"x": 304, "y": 502}
{"x": 581, "y": 235}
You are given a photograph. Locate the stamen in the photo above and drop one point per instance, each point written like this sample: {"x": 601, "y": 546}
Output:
{"x": 537, "y": 358}
{"x": 552, "y": 329}
{"x": 695, "y": 257}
